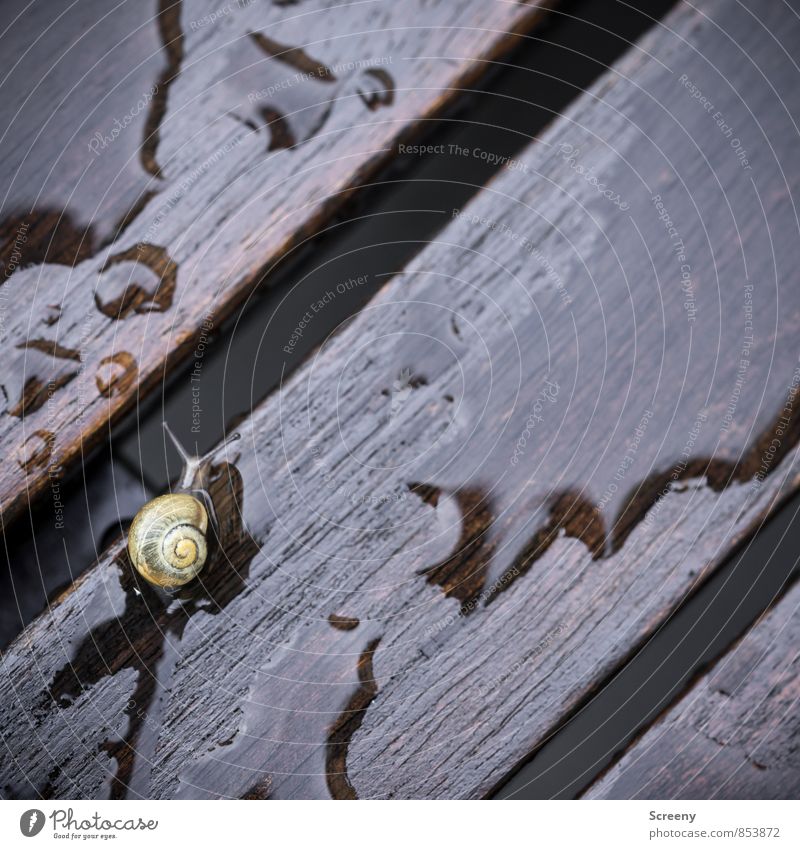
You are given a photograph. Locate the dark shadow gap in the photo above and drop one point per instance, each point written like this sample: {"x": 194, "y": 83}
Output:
{"x": 376, "y": 234}
{"x": 382, "y": 227}
{"x": 702, "y": 629}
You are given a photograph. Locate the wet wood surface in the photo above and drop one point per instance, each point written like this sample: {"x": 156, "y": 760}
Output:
{"x": 734, "y": 734}
{"x": 160, "y": 157}
{"x": 46, "y": 555}
{"x": 453, "y": 523}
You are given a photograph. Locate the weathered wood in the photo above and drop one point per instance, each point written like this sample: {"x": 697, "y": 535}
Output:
{"x": 176, "y": 152}
{"x": 734, "y": 734}
{"x": 508, "y": 469}
{"x": 71, "y": 528}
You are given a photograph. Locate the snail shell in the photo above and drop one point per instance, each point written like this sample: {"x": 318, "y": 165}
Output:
{"x": 167, "y": 540}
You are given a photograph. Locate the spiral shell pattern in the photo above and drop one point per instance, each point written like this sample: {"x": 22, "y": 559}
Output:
{"x": 167, "y": 540}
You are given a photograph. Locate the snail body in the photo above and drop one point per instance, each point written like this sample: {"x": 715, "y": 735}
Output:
{"x": 168, "y": 540}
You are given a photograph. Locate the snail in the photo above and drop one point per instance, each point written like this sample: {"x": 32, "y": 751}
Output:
{"x": 168, "y": 541}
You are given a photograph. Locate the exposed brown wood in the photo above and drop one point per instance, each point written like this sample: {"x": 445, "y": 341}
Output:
{"x": 174, "y": 150}
{"x": 537, "y": 389}
{"x": 734, "y": 734}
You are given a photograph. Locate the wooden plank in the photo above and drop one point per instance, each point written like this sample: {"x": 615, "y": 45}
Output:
{"x": 176, "y": 155}
{"x": 508, "y": 470}
{"x": 52, "y": 545}
{"x": 734, "y": 734}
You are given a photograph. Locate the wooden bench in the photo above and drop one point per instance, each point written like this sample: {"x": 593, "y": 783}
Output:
{"x": 734, "y": 735}
{"x": 223, "y": 146}
{"x": 469, "y": 508}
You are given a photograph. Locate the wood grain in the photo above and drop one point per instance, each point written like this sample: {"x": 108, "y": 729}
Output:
{"x": 734, "y": 734}
{"x": 174, "y": 155}
{"x": 64, "y": 539}
{"x": 503, "y": 474}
